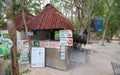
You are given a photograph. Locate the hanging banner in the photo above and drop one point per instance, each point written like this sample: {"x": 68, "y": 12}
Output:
{"x": 38, "y": 57}
{"x": 23, "y": 49}
{"x": 66, "y": 33}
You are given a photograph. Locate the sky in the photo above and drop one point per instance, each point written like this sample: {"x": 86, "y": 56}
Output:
{"x": 47, "y": 1}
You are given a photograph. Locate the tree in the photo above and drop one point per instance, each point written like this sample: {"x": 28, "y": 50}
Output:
{"x": 107, "y": 20}
{"x": 26, "y": 28}
{"x": 2, "y": 6}
{"x": 12, "y": 34}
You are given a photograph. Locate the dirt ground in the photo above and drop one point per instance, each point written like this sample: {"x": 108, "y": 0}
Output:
{"x": 94, "y": 59}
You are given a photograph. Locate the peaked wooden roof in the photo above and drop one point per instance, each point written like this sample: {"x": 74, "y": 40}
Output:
{"x": 50, "y": 18}
{"x": 19, "y": 24}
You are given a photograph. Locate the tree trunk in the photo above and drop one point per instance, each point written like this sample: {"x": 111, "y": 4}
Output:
{"x": 107, "y": 21}
{"x": 79, "y": 8}
{"x": 103, "y": 37}
{"x": 12, "y": 34}
{"x": 26, "y": 28}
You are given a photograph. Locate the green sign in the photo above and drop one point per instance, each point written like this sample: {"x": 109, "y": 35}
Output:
{"x": 36, "y": 43}
{"x": 1, "y": 51}
{"x": 5, "y": 35}
{"x": 4, "y": 51}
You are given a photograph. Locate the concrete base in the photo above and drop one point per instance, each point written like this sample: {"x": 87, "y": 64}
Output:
{"x": 53, "y": 59}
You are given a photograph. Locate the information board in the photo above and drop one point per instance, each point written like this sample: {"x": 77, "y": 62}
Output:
{"x": 66, "y": 33}
{"x": 38, "y": 57}
{"x": 66, "y": 41}
{"x": 50, "y": 44}
{"x": 23, "y": 48}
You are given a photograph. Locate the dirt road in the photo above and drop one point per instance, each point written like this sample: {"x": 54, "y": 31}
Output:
{"x": 93, "y": 60}
{"x": 96, "y": 61}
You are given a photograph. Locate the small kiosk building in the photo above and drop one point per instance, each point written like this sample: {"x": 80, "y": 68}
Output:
{"x": 44, "y": 26}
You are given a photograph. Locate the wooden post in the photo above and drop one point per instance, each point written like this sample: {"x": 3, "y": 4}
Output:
{"x": 12, "y": 34}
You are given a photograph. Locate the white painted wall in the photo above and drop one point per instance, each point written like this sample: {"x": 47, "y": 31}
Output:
{"x": 6, "y": 32}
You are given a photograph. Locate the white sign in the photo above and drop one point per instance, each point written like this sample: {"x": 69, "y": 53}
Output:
{"x": 66, "y": 41}
{"x": 4, "y": 34}
{"x": 38, "y": 57}
{"x": 62, "y": 55}
{"x": 62, "y": 48}
{"x": 23, "y": 48}
{"x": 66, "y": 33}
{"x": 30, "y": 33}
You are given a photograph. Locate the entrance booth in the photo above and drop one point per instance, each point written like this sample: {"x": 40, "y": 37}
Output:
{"x": 52, "y": 31}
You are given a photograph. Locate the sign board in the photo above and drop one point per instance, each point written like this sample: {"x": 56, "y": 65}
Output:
{"x": 30, "y": 33}
{"x": 50, "y": 44}
{"x": 62, "y": 55}
{"x": 119, "y": 34}
{"x": 36, "y": 43}
{"x": 4, "y": 34}
{"x": 62, "y": 48}
{"x": 3, "y": 50}
{"x": 66, "y": 33}
{"x": 38, "y": 57}
{"x": 5, "y": 43}
{"x": 24, "y": 58}
{"x": 66, "y": 41}
{"x": 97, "y": 25}
{"x": 23, "y": 48}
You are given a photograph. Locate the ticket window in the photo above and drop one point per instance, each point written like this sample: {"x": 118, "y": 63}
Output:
{"x": 54, "y": 35}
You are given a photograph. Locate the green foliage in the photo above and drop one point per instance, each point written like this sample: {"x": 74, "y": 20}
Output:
{"x": 76, "y": 25}
{"x": 31, "y": 6}
{"x": 1, "y": 22}
{"x": 18, "y": 55}
{"x": 8, "y": 70}
{"x": 57, "y": 36}
{"x": 108, "y": 39}
{"x": 6, "y": 54}
{"x": 16, "y": 7}
{"x": 98, "y": 9}
{"x": 99, "y": 34}
{"x": 113, "y": 25}
{"x": 26, "y": 71}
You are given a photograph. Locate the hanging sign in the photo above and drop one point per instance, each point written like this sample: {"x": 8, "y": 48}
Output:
{"x": 66, "y": 33}
{"x": 66, "y": 41}
{"x": 38, "y": 57}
